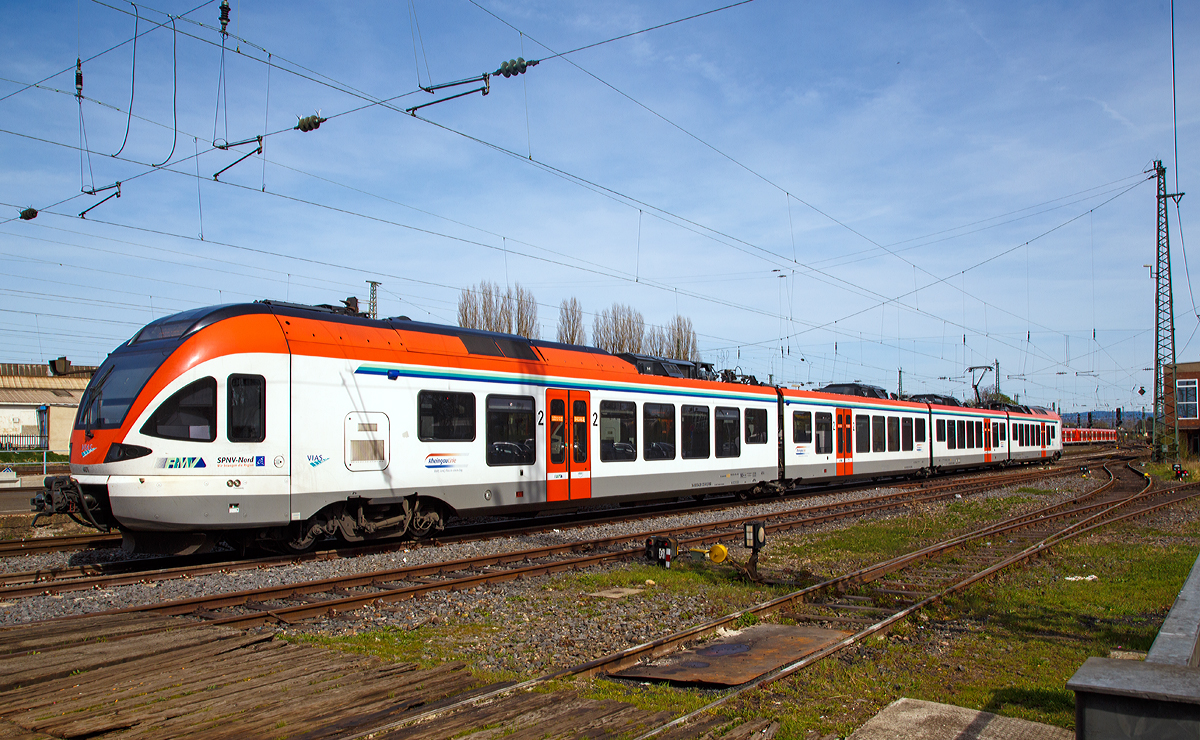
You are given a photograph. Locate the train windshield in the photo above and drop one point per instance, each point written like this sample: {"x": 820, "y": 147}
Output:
{"x": 114, "y": 386}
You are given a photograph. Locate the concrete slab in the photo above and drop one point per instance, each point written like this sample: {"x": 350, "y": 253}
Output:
{"x": 737, "y": 657}
{"x": 913, "y": 719}
{"x": 616, "y": 593}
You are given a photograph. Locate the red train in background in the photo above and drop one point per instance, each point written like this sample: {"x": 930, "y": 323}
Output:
{"x": 1089, "y": 436}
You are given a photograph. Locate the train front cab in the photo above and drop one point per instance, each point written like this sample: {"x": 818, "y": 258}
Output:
{"x": 185, "y": 427}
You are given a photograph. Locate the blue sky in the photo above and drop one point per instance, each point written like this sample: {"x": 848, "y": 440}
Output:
{"x": 829, "y": 191}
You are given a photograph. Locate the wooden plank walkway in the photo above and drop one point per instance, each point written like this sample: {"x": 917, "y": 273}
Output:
{"x": 114, "y": 678}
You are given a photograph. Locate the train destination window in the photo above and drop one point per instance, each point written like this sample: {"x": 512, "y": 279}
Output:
{"x": 951, "y": 439}
{"x": 862, "y": 433}
{"x": 801, "y": 427}
{"x": 693, "y": 432}
{"x": 906, "y": 434}
{"x": 246, "y": 417}
{"x": 445, "y": 417}
{"x": 510, "y": 430}
{"x": 190, "y": 413}
{"x": 659, "y": 431}
{"x": 878, "y": 434}
{"x": 618, "y": 430}
{"x": 579, "y": 431}
{"x": 970, "y": 436}
{"x": 729, "y": 423}
{"x": 920, "y": 431}
{"x": 941, "y": 430}
{"x": 893, "y": 433}
{"x": 824, "y": 433}
{"x": 756, "y": 426}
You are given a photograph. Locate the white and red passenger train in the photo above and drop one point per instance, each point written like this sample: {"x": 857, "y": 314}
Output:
{"x": 276, "y": 424}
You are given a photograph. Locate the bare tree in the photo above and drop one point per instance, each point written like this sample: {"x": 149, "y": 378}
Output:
{"x": 524, "y": 312}
{"x": 570, "y": 322}
{"x": 681, "y": 338}
{"x": 468, "y": 309}
{"x": 656, "y": 342}
{"x": 619, "y": 329}
{"x": 487, "y": 307}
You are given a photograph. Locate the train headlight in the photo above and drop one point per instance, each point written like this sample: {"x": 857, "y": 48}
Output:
{"x": 118, "y": 452}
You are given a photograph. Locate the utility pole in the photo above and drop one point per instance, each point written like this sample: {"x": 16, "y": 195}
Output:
{"x": 900, "y": 384}
{"x": 374, "y": 298}
{"x": 997, "y": 379}
{"x": 1164, "y": 446}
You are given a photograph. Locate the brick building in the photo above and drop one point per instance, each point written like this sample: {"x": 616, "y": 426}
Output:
{"x": 1182, "y": 382}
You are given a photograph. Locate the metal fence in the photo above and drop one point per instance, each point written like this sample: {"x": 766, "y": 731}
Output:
{"x": 24, "y": 441}
{"x": 43, "y": 466}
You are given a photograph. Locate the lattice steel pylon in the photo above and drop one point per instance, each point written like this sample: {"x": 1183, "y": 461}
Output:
{"x": 374, "y": 310}
{"x": 1166, "y": 440}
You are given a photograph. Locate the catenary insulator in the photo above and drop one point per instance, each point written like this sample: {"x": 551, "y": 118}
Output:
{"x": 29, "y": 214}
{"x": 224, "y": 17}
{"x": 78, "y": 78}
{"x": 310, "y": 123}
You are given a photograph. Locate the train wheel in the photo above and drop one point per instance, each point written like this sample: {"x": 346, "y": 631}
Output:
{"x": 426, "y": 519}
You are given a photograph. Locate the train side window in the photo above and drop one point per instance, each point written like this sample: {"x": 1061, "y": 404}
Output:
{"x": 893, "y": 433}
{"x": 951, "y": 439}
{"x": 862, "y": 433}
{"x": 445, "y": 417}
{"x": 979, "y": 434}
{"x": 906, "y": 434}
{"x": 1021, "y": 435}
{"x": 756, "y": 426}
{"x": 878, "y": 434}
{"x": 962, "y": 433}
{"x": 1052, "y": 432}
{"x": 693, "y": 431}
{"x": 579, "y": 431}
{"x": 189, "y": 414}
{"x": 824, "y": 433}
{"x": 970, "y": 445}
{"x": 729, "y": 423}
{"x": 801, "y": 427}
{"x": 659, "y": 431}
{"x": 920, "y": 431}
{"x": 1004, "y": 431}
{"x": 510, "y": 430}
{"x": 941, "y": 430}
{"x": 557, "y": 431}
{"x": 618, "y": 430}
{"x": 246, "y": 417}
{"x": 995, "y": 434}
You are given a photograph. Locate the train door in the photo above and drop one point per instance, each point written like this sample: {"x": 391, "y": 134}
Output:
{"x": 1042, "y": 438}
{"x": 987, "y": 440}
{"x": 845, "y": 444}
{"x": 568, "y": 457}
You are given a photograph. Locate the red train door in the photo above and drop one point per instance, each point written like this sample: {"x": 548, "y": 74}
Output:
{"x": 987, "y": 440}
{"x": 1042, "y": 439}
{"x": 568, "y": 457}
{"x": 845, "y": 443}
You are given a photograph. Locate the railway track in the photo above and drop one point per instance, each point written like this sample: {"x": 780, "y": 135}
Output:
{"x": 889, "y": 591}
{"x": 291, "y": 603}
{"x": 43, "y": 545}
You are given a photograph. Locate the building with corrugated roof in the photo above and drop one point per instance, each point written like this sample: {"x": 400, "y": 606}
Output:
{"x": 38, "y": 404}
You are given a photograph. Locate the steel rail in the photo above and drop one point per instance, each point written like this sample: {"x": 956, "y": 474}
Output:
{"x": 806, "y": 516}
